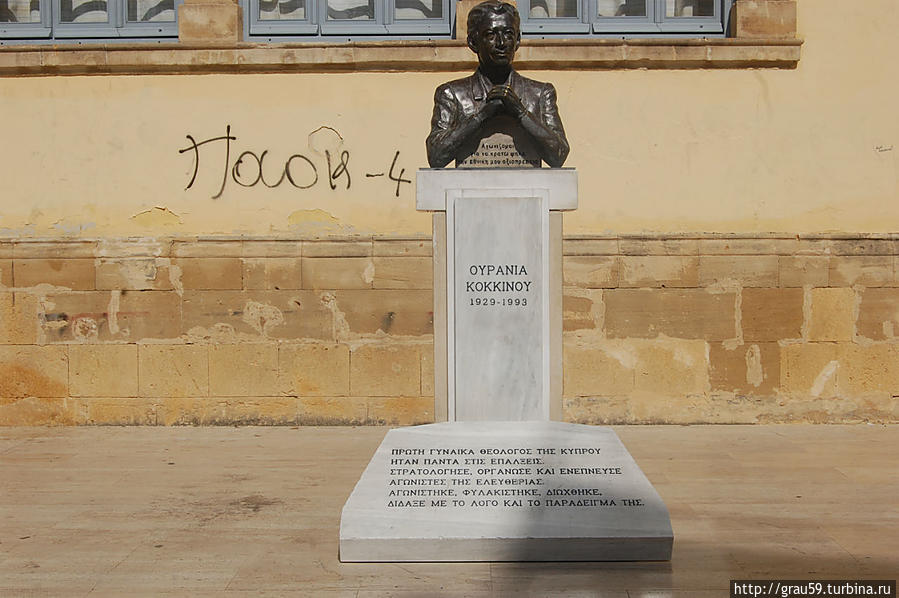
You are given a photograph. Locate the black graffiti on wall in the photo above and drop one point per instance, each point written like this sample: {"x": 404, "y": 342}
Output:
{"x": 299, "y": 170}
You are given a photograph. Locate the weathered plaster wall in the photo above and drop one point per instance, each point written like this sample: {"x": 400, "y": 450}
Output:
{"x": 811, "y": 149}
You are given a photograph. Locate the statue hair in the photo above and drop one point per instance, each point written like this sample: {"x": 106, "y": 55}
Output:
{"x": 479, "y": 12}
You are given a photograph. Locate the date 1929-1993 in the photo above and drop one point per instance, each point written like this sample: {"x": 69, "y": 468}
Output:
{"x": 504, "y": 301}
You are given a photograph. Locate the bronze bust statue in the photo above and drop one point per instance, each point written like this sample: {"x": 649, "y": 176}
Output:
{"x": 495, "y": 97}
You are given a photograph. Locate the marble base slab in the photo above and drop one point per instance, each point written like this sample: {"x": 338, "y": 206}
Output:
{"x": 504, "y": 491}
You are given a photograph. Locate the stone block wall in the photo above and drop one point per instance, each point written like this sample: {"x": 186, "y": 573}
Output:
{"x": 658, "y": 329}
{"x": 192, "y": 331}
{"x": 712, "y": 329}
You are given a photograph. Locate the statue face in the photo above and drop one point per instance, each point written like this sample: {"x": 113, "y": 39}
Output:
{"x": 496, "y": 41}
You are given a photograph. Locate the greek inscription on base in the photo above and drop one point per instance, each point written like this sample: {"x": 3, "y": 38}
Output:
{"x": 506, "y": 477}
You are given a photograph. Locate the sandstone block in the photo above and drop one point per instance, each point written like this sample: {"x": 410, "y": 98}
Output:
{"x": 243, "y": 370}
{"x": 121, "y": 249}
{"x": 754, "y": 56}
{"x": 653, "y": 271}
{"x": 809, "y": 369}
{"x": 134, "y": 274}
{"x": 22, "y": 61}
{"x": 329, "y": 411}
{"x": 210, "y": 273}
{"x": 80, "y": 316}
{"x": 115, "y": 412}
{"x": 191, "y": 411}
{"x": 739, "y": 246}
{"x": 651, "y": 408}
{"x": 591, "y": 272}
{"x": 730, "y": 408}
{"x": 70, "y": 249}
{"x": 582, "y": 309}
{"x": 864, "y": 247}
{"x": 398, "y": 312}
{"x": 272, "y": 249}
{"x": 585, "y": 247}
{"x": 321, "y": 370}
{"x": 19, "y": 318}
{"x": 867, "y": 369}
{"x": 34, "y": 371}
{"x": 210, "y": 23}
{"x": 6, "y": 250}
{"x": 385, "y": 370}
{"x": 74, "y": 274}
{"x": 337, "y": 248}
{"x": 110, "y": 315}
{"x": 764, "y": 19}
{"x": 680, "y": 313}
{"x": 745, "y": 270}
{"x": 401, "y": 411}
{"x": 771, "y": 314}
{"x": 402, "y": 248}
{"x": 659, "y": 246}
{"x": 290, "y": 315}
{"x": 603, "y": 369}
{"x": 672, "y": 368}
{"x": 403, "y": 273}
{"x": 6, "y": 273}
{"x": 247, "y": 411}
{"x": 272, "y": 273}
{"x": 337, "y": 273}
{"x": 800, "y": 271}
{"x": 878, "y": 314}
{"x": 37, "y": 411}
{"x": 207, "y": 249}
{"x": 143, "y": 315}
{"x": 173, "y": 370}
{"x": 651, "y": 54}
{"x": 815, "y": 246}
{"x": 868, "y": 271}
{"x": 602, "y": 411}
{"x": 103, "y": 371}
{"x": 265, "y": 411}
{"x": 832, "y": 315}
{"x": 751, "y": 369}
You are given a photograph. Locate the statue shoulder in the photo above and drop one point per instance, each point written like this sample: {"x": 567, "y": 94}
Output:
{"x": 533, "y": 84}
{"x": 455, "y": 87}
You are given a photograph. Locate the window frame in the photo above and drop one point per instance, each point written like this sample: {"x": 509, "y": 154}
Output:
{"x": 318, "y": 27}
{"x": 589, "y": 24}
{"x": 116, "y": 27}
{"x": 40, "y": 30}
{"x": 287, "y": 27}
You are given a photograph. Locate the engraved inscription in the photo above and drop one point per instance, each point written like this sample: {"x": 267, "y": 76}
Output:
{"x": 503, "y": 285}
{"x": 500, "y": 151}
{"x": 504, "y": 477}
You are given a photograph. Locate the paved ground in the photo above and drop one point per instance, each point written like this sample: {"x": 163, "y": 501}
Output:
{"x": 239, "y": 512}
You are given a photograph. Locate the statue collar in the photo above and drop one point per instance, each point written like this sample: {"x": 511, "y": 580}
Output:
{"x": 481, "y": 84}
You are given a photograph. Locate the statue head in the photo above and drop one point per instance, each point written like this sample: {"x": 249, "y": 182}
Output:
{"x": 494, "y": 32}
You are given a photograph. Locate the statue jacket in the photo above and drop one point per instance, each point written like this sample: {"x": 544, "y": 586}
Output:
{"x": 458, "y": 100}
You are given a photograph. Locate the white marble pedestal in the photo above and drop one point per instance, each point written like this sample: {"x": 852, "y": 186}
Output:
{"x": 504, "y": 491}
{"x": 500, "y": 481}
{"x": 497, "y": 290}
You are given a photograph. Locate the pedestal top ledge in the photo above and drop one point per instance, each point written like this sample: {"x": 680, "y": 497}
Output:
{"x": 560, "y": 184}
